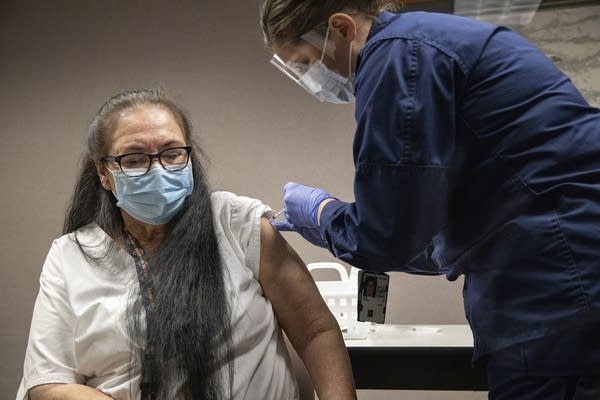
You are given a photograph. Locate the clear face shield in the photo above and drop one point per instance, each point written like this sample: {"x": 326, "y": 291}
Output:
{"x": 317, "y": 79}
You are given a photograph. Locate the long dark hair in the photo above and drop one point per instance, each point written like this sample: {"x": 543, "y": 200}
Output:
{"x": 190, "y": 326}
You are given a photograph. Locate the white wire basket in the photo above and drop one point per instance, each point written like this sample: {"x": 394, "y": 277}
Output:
{"x": 341, "y": 298}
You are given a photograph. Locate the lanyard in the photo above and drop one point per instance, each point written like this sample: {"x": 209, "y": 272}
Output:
{"x": 146, "y": 289}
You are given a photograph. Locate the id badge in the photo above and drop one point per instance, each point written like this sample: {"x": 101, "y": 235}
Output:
{"x": 372, "y": 296}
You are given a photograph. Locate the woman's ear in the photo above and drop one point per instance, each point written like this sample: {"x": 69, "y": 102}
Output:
{"x": 103, "y": 173}
{"x": 343, "y": 25}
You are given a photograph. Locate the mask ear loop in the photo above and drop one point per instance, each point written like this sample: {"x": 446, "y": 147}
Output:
{"x": 350, "y": 60}
{"x": 349, "y": 52}
{"x": 325, "y": 44}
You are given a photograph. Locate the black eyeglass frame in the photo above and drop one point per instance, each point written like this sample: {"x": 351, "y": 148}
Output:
{"x": 151, "y": 157}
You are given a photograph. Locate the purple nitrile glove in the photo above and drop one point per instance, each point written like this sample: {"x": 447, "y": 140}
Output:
{"x": 302, "y": 203}
{"x": 301, "y": 207}
{"x": 313, "y": 235}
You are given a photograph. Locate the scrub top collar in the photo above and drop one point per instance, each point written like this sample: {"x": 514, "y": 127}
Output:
{"x": 381, "y": 21}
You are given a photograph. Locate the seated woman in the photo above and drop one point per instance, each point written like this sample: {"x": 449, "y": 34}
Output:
{"x": 162, "y": 290}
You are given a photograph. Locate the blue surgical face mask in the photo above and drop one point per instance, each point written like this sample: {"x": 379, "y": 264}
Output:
{"x": 327, "y": 85}
{"x": 155, "y": 197}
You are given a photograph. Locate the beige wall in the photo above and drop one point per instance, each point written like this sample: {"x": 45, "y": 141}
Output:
{"x": 59, "y": 60}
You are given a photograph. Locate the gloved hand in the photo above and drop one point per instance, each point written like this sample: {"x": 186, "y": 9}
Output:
{"x": 313, "y": 235}
{"x": 302, "y": 203}
{"x": 301, "y": 207}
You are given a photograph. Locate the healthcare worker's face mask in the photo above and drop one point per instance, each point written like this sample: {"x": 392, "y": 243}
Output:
{"x": 155, "y": 197}
{"x": 320, "y": 81}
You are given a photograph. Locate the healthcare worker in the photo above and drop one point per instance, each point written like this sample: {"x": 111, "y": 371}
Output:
{"x": 474, "y": 156}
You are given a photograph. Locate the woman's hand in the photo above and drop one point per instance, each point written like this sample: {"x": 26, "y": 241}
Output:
{"x": 304, "y": 316}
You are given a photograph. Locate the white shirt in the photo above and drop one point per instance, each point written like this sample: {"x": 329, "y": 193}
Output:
{"x": 79, "y": 334}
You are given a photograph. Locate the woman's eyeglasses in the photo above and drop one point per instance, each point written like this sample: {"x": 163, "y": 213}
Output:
{"x": 138, "y": 164}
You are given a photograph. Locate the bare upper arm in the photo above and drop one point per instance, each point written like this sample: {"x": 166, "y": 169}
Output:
{"x": 65, "y": 391}
{"x": 287, "y": 283}
{"x": 41, "y": 392}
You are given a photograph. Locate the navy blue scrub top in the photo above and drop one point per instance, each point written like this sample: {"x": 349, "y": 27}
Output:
{"x": 475, "y": 155}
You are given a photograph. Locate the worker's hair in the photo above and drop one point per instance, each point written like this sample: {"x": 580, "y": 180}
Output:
{"x": 190, "y": 325}
{"x": 285, "y": 21}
